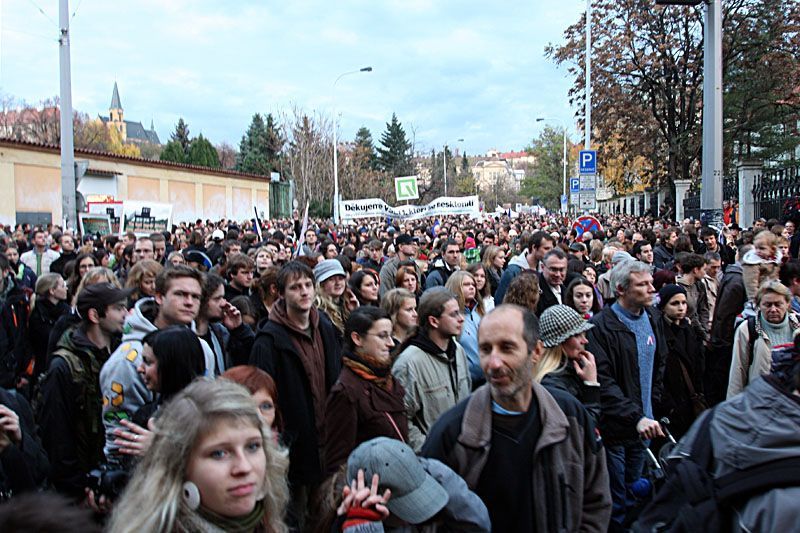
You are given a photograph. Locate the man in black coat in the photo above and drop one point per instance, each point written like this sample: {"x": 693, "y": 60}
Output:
{"x": 23, "y": 463}
{"x": 297, "y": 346}
{"x": 629, "y": 347}
{"x": 552, "y": 280}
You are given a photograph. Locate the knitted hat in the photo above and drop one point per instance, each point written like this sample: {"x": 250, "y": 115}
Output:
{"x": 560, "y": 322}
{"x": 667, "y": 292}
{"x": 327, "y": 269}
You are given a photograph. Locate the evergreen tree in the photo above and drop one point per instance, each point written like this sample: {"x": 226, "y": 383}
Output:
{"x": 203, "y": 153}
{"x": 181, "y": 135}
{"x": 394, "y": 154}
{"x": 259, "y": 151}
{"x": 364, "y": 143}
{"x": 465, "y": 164}
{"x": 173, "y": 151}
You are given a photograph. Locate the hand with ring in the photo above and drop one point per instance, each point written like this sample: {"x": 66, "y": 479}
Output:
{"x": 134, "y": 440}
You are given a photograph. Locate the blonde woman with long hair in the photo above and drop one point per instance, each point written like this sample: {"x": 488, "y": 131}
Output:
{"x": 565, "y": 363}
{"x": 463, "y": 285}
{"x": 212, "y": 466}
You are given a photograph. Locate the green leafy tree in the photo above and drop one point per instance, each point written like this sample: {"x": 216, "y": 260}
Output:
{"x": 203, "y": 153}
{"x": 544, "y": 179}
{"x": 173, "y": 151}
{"x": 364, "y": 144}
{"x": 261, "y": 146}
{"x": 394, "y": 152}
{"x": 181, "y": 135}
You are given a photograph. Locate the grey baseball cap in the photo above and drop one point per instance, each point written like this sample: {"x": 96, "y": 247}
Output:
{"x": 416, "y": 496}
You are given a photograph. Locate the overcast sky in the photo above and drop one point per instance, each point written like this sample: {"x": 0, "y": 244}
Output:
{"x": 469, "y": 69}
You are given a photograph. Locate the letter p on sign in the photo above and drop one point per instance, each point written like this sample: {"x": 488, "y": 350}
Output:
{"x": 588, "y": 162}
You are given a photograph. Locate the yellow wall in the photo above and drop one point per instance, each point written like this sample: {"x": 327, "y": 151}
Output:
{"x": 37, "y": 189}
{"x": 30, "y": 181}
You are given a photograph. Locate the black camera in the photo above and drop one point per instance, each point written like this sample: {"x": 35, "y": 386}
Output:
{"x": 108, "y": 481}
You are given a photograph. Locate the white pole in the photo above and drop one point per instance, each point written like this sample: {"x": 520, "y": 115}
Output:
{"x": 711, "y": 193}
{"x": 565, "y": 209}
{"x": 588, "y": 124}
{"x": 68, "y": 192}
{"x": 335, "y": 171}
{"x": 444, "y": 155}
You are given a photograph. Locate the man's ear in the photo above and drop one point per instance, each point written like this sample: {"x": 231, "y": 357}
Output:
{"x": 537, "y": 351}
{"x": 433, "y": 322}
{"x": 159, "y": 298}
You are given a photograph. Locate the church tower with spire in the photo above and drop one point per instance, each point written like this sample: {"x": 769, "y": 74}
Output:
{"x": 116, "y": 114}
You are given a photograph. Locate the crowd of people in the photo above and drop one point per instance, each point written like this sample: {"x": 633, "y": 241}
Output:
{"x": 450, "y": 374}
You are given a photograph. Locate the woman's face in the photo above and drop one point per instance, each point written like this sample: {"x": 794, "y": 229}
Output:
{"x": 84, "y": 266}
{"x": 333, "y": 286}
{"x": 574, "y": 346}
{"x": 499, "y": 260}
{"x": 480, "y": 279}
{"x": 583, "y": 297}
{"x": 105, "y": 260}
{"x": 331, "y": 252}
{"x": 177, "y": 259}
{"x": 676, "y": 307}
{"x": 590, "y": 275}
{"x": 774, "y": 307}
{"x": 13, "y": 255}
{"x": 148, "y": 369}
{"x": 377, "y": 341}
{"x": 407, "y": 315}
{"x": 468, "y": 288}
{"x": 228, "y": 465}
{"x": 60, "y": 291}
{"x": 410, "y": 282}
{"x": 266, "y": 406}
{"x": 263, "y": 260}
{"x": 369, "y": 288}
{"x": 147, "y": 287}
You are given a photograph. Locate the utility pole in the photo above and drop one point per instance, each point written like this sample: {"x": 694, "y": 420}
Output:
{"x": 587, "y": 143}
{"x": 711, "y": 192}
{"x": 68, "y": 185}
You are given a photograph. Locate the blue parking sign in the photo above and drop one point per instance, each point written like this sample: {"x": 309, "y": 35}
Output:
{"x": 587, "y": 162}
{"x": 574, "y": 185}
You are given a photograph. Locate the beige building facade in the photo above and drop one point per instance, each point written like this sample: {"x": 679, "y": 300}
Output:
{"x": 30, "y": 185}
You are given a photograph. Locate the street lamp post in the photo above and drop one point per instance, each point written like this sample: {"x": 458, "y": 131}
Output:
{"x": 564, "y": 156}
{"x": 335, "y": 147}
{"x": 444, "y": 157}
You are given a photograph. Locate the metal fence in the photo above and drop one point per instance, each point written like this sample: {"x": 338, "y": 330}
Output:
{"x": 280, "y": 200}
{"x": 691, "y": 203}
{"x": 773, "y": 188}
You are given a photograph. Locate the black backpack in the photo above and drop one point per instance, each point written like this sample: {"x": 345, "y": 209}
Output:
{"x": 692, "y": 500}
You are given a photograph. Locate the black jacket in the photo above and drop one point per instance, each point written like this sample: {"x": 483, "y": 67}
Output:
{"x": 663, "y": 257}
{"x": 14, "y": 312}
{"x": 275, "y": 353}
{"x": 70, "y": 415}
{"x": 23, "y": 466}
{"x": 546, "y": 296}
{"x": 731, "y": 298}
{"x": 684, "y": 347}
{"x": 616, "y": 355}
{"x": 40, "y": 324}
{"x": 58, "y": 265}
{"x": 568, "y": 381}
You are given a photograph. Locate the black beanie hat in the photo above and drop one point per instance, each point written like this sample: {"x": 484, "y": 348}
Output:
{"x": 667, "y": 292}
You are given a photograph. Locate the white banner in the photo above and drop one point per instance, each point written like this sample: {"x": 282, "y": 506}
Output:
{"x": 375, "y": 207}
{"x": 144, "y": 218}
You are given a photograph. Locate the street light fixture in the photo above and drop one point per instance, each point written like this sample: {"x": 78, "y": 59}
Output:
{"x": 564, "y": 127}
{"x": 444, "y": 154}
{"x": 335, "y": 147}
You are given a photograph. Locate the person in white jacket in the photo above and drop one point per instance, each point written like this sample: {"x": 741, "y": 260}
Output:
{"x": 177, "y": 302}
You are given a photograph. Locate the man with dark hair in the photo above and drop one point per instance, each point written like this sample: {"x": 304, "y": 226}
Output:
{"x": 220, "y": 324}
{"x": 663, "y": 254}
{"x": 143, "y": 248}
{"x": 691, "y": 279}
{"x": 67, "y": 243}
{"x": 433, "y": 367}
{"x": 790, "y": 276}
{"x": 240, "y": 276}
{"x": 406, "y": 248}
{"x": 179, "y": 290}
{"x": 40, "y": 257}
{"x": 643, "y": 251}
{"x": 444, "y": 265}
{"x": 159, "y": 247}
{"x": 552, "y": 278}
{"x": 630, "y": 348}
{"x": 71, "y": 411}
{"x": 710, "y": 244}
{"x": 515, "y": 442}
{"x": 374, "y": 258}
{"x": 14, "y": 314}
{"x": 534, "y": 251}
{"x": 298, "y": 347}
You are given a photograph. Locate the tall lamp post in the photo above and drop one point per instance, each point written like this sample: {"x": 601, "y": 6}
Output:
{"x": 335, "y": 147}
{"x": 444, "y": 156}
{"x": 564, "y": 157}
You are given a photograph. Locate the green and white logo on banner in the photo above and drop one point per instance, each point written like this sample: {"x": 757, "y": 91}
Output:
{"x": 405, "y": 188}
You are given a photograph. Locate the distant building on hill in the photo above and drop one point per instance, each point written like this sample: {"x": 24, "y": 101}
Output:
{"x": 131, "y": 131}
